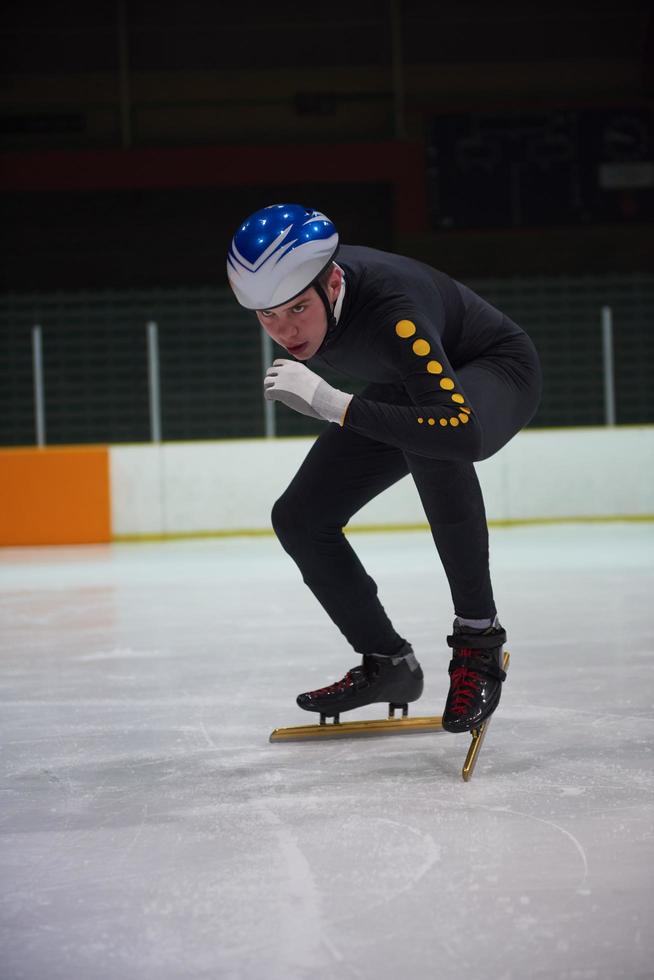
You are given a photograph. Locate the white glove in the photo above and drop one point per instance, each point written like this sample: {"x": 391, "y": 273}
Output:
{"x": 304, "y": 391}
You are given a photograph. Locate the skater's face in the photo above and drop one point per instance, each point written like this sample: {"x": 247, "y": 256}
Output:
{"x": 300, "y": 326}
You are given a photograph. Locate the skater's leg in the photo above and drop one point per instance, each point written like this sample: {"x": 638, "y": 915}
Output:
{"x": 452, "y": 499}
{"x": 341, "y": 473}
{"x": 502, "y": 390}
{"x": 453, "y": 502}
{"x": 454, "y": 506}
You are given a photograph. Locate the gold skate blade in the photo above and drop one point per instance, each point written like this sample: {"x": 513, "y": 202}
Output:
{"x": 347, "y": 729}
{"x": 387, "y": 726}
{"x": 478, "y": 736}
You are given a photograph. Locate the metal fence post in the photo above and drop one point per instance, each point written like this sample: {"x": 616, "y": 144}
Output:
{"x": 607, "y": 360}
{"x": 153, "y": 379}
{"x": 39, "y": 388}
{"x": 268, "y": 407}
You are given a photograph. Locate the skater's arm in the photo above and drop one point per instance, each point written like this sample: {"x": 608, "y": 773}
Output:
{"x": 440, "y": 422}
{"x": 435, "y": 431}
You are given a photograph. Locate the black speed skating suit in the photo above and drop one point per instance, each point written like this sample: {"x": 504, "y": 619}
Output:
{"x": 451, "y": 380}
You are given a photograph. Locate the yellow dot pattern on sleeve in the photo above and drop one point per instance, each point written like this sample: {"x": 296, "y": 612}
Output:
{"x": 421, "y": 348}
{"x": 405, "y": 329}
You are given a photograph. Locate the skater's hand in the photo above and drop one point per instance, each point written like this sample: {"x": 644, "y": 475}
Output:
{"x": 293, "y": 384}
{"x": 304, "y": 391}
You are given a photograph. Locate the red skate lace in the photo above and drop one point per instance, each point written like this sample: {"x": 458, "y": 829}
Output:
{"x": 336, "y": 688}
{"x": 465, "y": 684}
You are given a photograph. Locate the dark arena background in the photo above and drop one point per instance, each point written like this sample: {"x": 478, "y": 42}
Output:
{"x": 153, "y": 631}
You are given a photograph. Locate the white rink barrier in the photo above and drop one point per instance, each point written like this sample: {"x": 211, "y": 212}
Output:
{"x": 229, "y": 486}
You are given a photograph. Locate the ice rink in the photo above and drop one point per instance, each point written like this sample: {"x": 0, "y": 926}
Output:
{"x": 149, "y": 830}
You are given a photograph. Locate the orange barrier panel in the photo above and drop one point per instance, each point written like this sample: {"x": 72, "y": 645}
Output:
{"x": 55, "y": 496}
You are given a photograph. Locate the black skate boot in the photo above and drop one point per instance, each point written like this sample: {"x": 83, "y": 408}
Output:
{"x": 396, "y": 679}
{"x": 476, "y": 676}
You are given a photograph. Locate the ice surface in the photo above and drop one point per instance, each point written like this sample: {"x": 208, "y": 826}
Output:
{"x": 149, "y": 830}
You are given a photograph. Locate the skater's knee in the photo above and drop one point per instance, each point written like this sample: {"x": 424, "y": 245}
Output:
{"x": 298, "y": 525}
{"x": 476, "y": 447}
{"x": 281, "y": 518}
{"x": 466, "y": 447}
{"x": 289, "y": 521}
{"x": 471, "y": 448}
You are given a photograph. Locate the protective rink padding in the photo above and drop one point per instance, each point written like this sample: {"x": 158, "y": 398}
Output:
{"x": 55, "y": 496}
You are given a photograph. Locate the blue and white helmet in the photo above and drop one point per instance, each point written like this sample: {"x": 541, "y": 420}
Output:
{"x": 277, "y": 253}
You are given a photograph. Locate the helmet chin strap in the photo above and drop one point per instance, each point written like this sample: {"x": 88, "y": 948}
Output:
{"x": 331, "y": 319}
